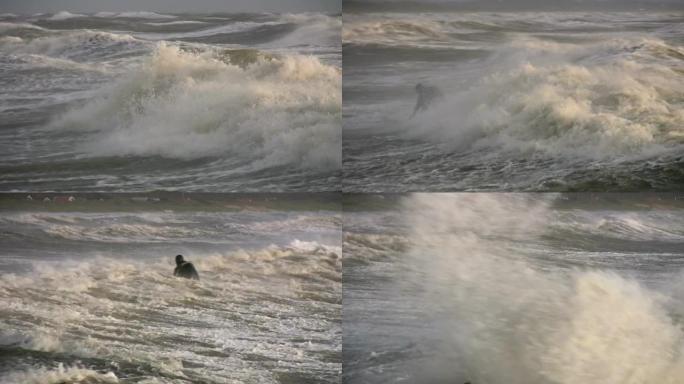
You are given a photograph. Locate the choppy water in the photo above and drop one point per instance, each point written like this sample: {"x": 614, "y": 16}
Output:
{"x": 144, "y": 101}
{"x": 534, "y": 101}
{"x": 90, "y": 297}
{"x": 514, "y": 289}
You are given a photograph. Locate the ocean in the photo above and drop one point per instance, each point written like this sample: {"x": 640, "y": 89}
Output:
{"x": 533, "y": 101}
{"x": 141, "y": 101}
{"x": 514, "y": 288}
{"x": 87, "y": 292}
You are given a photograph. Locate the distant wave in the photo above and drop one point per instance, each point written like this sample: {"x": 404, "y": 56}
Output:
{"x": 64, "y": 15}
{"x": 6, "y": 26}
{"x": 392, "y": 31}
{"x": 285, "y": 30}
{"x": 661, "y": 225}
{"x": 271, "y": 110}
{"x": 134, "y": 15}
{"x": 176, "y": 22}
{"x": 402, "y": 29}
{"x": 80, "y": 45}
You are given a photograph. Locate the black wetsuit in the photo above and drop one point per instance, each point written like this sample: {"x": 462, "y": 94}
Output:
{"x": 426, "y": 95}
{"x": 187, "y": 270}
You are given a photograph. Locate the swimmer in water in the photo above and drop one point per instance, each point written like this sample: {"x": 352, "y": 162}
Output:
{"x": 185, "y": 269}
{"x": 426, "y": 96}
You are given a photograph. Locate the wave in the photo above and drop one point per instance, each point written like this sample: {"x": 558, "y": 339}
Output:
{"x": 273, "y": 111}
{"x": 64, "y": 15}
{"x": 235, "y": 27}
{"x": 177, "y": 22}
{"x": 286, "y": 30}
{"x": 538, "y": 325}
{"x": 134, "y": 15}
{"x": 392, "y": 31}
{"x": 608, "y": 100}
{"x": 6, "y": 26}
{"x": 661, "y": 225}
{"x": 82, "y": 45}
{"x": 61, "y": 374}
{"x": 409, "y": 29}
{"x": 124, "y": 229}
{"x": 74, "y": 311}
{"x": 313, "y": 29}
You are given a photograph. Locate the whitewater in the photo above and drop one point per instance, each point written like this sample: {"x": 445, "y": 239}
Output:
{"x": 514, "y": 288}
{"x": 545, "y": 101}
{"x": 93, "y": 298}
{"x": 140, "y": 101}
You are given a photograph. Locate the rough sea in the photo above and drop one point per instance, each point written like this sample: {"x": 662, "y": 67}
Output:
{"x": 514, "y": 288}
{"x": 87, "y": 294}
{"x": 539, "y": 101}
{"x": 140, "y": 101}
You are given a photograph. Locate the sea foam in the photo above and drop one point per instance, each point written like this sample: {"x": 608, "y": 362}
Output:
{"x": 269, "y": 110}
{"x": 538, "y": 325}
{"x": 598, "y": 101}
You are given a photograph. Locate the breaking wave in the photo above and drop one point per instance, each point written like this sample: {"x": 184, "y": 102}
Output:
{"x": 539, "y": 325}
{"x": 61, "y": 374}
{"x": 175, "y": 329}
{"x": 134, "y": 15}
{"x": 82, "y": 45}
{"x": 271, "y": 110}
{"x": 64, "y": 15}
{"x": 608, "y": 100}
{"x": 393, "y": 31}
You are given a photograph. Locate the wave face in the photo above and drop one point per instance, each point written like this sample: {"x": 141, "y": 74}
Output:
{"x": 507, "y": 288}
{"x": 552, "y": 101}
{"x": 94, "y": 300}
{"x": 218, "y": 102}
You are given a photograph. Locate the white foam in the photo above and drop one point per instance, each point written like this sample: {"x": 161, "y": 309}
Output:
{"x": 517, "y": 324}
{"x": 5, "y": 26}
{"x": 177, "y": 22}
{"x": 280, "y": 111}
{"x": 227, "y": 28}
{"x": 77, "y": 45}
{"x": 392, "y": 30}
{"x": 134, "y": 15}
{"x": 64, "y": 15}
{"x": 592, "y": 101}
{"x": 61, "y": 374}
{"x": 313, "y": 29}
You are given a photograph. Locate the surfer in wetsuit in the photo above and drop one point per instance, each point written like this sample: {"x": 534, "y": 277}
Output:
{"x": 185, "y": 269}
{"x": 426, "y": 95}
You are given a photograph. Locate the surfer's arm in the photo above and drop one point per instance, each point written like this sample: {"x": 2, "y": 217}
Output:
{"x": 193, "y": 273}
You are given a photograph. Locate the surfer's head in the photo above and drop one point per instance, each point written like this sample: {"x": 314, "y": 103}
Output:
{"x": 179, "y": 259}
{"x": 419, "y": 87}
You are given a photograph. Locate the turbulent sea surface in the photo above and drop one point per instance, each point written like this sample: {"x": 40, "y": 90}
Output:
{"x": 533, "y": 101}
{"x": 90, "y": 297}
{"x": 514, "y": 289}
{"x": 140, "y": 101}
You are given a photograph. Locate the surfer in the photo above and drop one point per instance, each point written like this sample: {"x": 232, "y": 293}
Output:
{"x": 426, "y": 95}
{"x": 185, "y": 269}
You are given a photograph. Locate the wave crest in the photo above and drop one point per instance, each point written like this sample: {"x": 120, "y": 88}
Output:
{"x": 541, "y": 325}
{"x": 61, "y": 374}
{"x": 273, "y": 111}
{"x": 595, "y": 108}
